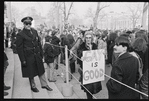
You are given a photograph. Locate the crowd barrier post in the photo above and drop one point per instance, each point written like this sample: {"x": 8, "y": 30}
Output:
{"x": 66, "y": 58}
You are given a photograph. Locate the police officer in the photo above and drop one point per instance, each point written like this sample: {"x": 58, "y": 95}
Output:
{"x": 31, "y": 54}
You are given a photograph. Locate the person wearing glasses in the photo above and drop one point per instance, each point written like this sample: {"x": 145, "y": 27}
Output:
{"x": 124, "y": 70}
{"x": 31, "y": 55}
{"x": 92, "y": 88}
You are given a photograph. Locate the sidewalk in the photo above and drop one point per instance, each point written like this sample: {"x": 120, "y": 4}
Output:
{"x": 9, "y": 74}
{"x": 80, "y": 94}
{"x": 21, "y": 88}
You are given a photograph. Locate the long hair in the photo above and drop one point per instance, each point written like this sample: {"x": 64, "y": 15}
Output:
{"x": 142, "y": 34}
{"x": 139, "y": 44}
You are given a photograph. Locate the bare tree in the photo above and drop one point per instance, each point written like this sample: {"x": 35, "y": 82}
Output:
{"x": 15, "y": 14}
{"x": 102, "y": 15}
{"x": 99, "y": 8}
{"x": 135, "y": 13}
{"x": 90, "y": 13}
{"x": 66, "y": 15}
{"x": 51, "y": 16}
{"x": 59, "y": 10}
{"x": 96, "y": 15}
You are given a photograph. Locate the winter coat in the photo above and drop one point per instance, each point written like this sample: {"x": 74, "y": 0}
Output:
{"x": 92, "y": 87}
{"x": 144, "y": 57}
{"x": 110, "y": 45}
{"x": 143, "y": 84}
{"x": 56, "y": 41}
{"x": 125, "y": 70}
{"x": 48, "y": 53}
{"x": 30, "y": 50}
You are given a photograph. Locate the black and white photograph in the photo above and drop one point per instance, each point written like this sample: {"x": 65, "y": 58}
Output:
{"x": 75, "y": 50}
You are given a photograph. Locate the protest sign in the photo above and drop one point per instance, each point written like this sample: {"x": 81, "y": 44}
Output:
{"x": 93, "y": 66}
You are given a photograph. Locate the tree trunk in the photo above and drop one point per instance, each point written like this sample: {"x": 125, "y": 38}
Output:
{"x": 96, "y": 16}
{"x": 66, "y": 16}
{"x": 65, "y": 20}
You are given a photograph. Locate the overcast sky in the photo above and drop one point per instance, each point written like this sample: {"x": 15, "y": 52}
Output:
{"x": 80, "y": 8}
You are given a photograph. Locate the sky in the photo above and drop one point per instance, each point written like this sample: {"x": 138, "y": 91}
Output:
{"x": 80, "y": 8}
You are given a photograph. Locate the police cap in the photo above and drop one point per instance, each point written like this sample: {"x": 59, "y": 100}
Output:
{"x": 27, "y": 19}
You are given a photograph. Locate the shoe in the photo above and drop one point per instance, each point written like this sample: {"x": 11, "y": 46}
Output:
{"x": 34, "y": 89}
{"x": 6, "y": 93}
{"x": 7, "y": 87}
{"x": 47, "y": 87}
{"x": 51, "y": 80}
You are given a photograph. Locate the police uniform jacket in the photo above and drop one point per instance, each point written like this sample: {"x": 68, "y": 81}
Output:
{"x": 30, "y": 50}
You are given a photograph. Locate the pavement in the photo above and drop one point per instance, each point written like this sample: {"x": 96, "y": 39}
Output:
{"x": 20, "y": 83}
{"x": 103, "y": 94}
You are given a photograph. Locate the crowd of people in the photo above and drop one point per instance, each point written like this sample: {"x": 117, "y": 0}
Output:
{"x": 125, "y": 50}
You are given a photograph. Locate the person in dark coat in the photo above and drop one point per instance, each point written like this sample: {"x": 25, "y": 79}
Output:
{"x": 13, "y": 39}
{"x": 62, "y": 50}
{"x": 110, "y": 44}
{"x": 56, "y": 42}
{"x": 143, "y": 84}
{"x": 142, "y": 49}
{"x": 31, "y": 54}
{"x": 88, "y": 44}
{"x": 76, "y": 45}
{"x": 68, "y": 40}
{"x": 49, "y": 58}
{"x": 71, "y": 43}
{"x": 124, "y": 69}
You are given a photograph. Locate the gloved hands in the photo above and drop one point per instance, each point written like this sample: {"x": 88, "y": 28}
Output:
{"x": 24, "y": 64}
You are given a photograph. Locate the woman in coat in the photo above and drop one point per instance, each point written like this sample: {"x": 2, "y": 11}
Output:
{"x": 88, "y": 44}
{"x": 141, "y": 48}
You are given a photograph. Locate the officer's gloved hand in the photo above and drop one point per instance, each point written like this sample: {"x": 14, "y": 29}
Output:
{"x": 24, "y": 64}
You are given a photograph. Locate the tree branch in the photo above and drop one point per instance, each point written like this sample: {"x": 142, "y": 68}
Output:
{"x": 104, "y": 7}
{"x": 69, "y": 10}
{"x": 64, "y": 11}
